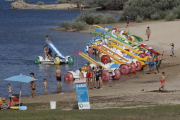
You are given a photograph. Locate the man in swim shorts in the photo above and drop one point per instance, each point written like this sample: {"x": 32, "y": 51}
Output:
{"x": 88, "y": 74}
{"x": 58, "y": 75}
{"x": 162, "y": 80}
{"x": 151, "y": 63}
{"x": 158, "y": 62}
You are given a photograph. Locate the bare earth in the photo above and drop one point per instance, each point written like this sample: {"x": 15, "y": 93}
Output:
{"x": 136, "y": 88}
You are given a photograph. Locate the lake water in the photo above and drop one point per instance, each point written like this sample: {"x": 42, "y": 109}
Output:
{"x": 22, "y": 34}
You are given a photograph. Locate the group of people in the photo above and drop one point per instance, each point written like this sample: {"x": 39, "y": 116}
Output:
{"x": 48, "y": 53}
{"x": 93, "y": 76}
{"x": 151, "y": 60}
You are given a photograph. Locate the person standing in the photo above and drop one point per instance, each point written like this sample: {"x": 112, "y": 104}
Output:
{"x": 33, "y": 87}
{"x": 162, "y": 80}
{"x": 58, "y": 75}
{"x": 93, "y": 76}
{"x": 158, "y": 62}
{"x": 9, "y": 89}
{"x": 163, "y": 55}
{"x": 88, "y": 74}
{"x": 45, "y": 52}
{"x": 47, "y": 39}
{"x": 148, "y": 32}
{"x": 151, "y": 63}
{"x": 97, "y": 76}
{"x": 127, "y": 18}
{"x": 33, "y": 76}
{"x": 172, "y": 49}
{"x": 81, "y": 74}
{"x": 100, "y": 77}
{"x": 45, "y": 86}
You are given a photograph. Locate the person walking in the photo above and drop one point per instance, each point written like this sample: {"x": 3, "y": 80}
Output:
{"x": 172, "y": 49}
{"x": 162, "y": 80}
{"x": 58, "y": 75}
{"x": 127, "y": 18}
{"x": 148, "y": 32}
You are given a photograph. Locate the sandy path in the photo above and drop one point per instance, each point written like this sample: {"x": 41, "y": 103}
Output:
{"x": 129, "y": 91}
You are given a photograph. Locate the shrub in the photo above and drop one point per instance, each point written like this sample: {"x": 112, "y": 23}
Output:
{"x": 66, "y": 24}
{"x": 90, "y": 17}
{"x": 171, "y": 16}
{"x": 139, "y": 19}
{"x": 110, "y": 18}
{"x": 61, "y": 1}
{"x": 79, "y": 25}
{"x": 146, "y": 8}
{"x": 176, "y": 11}
{"x": 40, "y": 3}
{"x": 155, "y": 16}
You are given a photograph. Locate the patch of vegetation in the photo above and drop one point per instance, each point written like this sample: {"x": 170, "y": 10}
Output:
{"x": 152, "y": 9}
{"x": 158, "y": 112}
{"x": 40, "y": 3}
{"x": 139, "y": 19}
{"x": 66, "y": 24}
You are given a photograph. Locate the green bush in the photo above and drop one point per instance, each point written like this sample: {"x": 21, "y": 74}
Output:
{"x": 176, "y": 11}
{"x": 155, "y": 16}
{"x": 40, "y": 3}
{"x": 171, "y": 16}
{"x": 66, "y": 24}
{"x": 139, "y": 19}
{"x": 90, "y": 17}
{"x": 61, "y": 1}
{"x": 146, "y": 8}
{"x": 78, "y": 25}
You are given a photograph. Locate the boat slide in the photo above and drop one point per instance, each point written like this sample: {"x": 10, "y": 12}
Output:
{"x": 60, "y": 58}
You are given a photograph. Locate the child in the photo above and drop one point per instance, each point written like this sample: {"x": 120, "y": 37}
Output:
{"x": 9, "y": 89}
{"x": 33, "y": 87}
{"x": 45, "y": 86}
{"x": 163, "y": 55}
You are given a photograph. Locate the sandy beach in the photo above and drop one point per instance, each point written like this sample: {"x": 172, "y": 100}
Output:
{"x": 138, "y": 87}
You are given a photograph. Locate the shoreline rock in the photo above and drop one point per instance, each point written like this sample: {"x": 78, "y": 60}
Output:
{"x": 25, "y": 6}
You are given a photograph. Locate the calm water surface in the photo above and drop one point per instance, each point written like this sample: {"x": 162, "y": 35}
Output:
{"x": 22, "y": 34}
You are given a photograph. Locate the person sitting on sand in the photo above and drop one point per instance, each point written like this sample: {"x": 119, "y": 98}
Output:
{"x": 81, "y": 74}
{"x": 148, "y": 32}
{"x": 45, "y": 86}
{"x": 9, "y": 89}
{"x": 151, "y": 63}
{"x": 172, "y": 50}
{"x": 47, "y": 39}
{"x": 162, "y": 80}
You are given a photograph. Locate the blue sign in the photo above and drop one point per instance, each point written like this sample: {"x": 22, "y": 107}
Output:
{"x": 82, "y": 96}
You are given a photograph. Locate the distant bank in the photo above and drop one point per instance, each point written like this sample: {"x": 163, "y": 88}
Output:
{"x": 21, "y": 5}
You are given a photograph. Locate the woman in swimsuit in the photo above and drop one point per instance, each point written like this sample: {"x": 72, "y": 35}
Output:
{"x": 148, "y": 32}
{"x": 81, "y": 75}
{"x": 100, "y": 77}
{"x": 97, "y": 77}
{"x": 172, "y": 50}
{"x": 93, "y": 76}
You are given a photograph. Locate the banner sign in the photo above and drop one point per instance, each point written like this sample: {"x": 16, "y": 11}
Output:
{"x": 82, "y": 95}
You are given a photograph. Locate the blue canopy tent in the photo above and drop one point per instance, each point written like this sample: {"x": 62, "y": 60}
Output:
{"x": 21, "y": 78}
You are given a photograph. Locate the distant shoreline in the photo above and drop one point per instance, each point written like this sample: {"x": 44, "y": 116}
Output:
{"x": 25, "y": 6}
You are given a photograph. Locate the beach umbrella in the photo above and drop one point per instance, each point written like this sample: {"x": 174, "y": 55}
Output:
{"x": 20, "y": 78}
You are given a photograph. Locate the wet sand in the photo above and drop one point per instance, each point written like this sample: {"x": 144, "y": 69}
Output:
{"x": 138, "y": 89}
